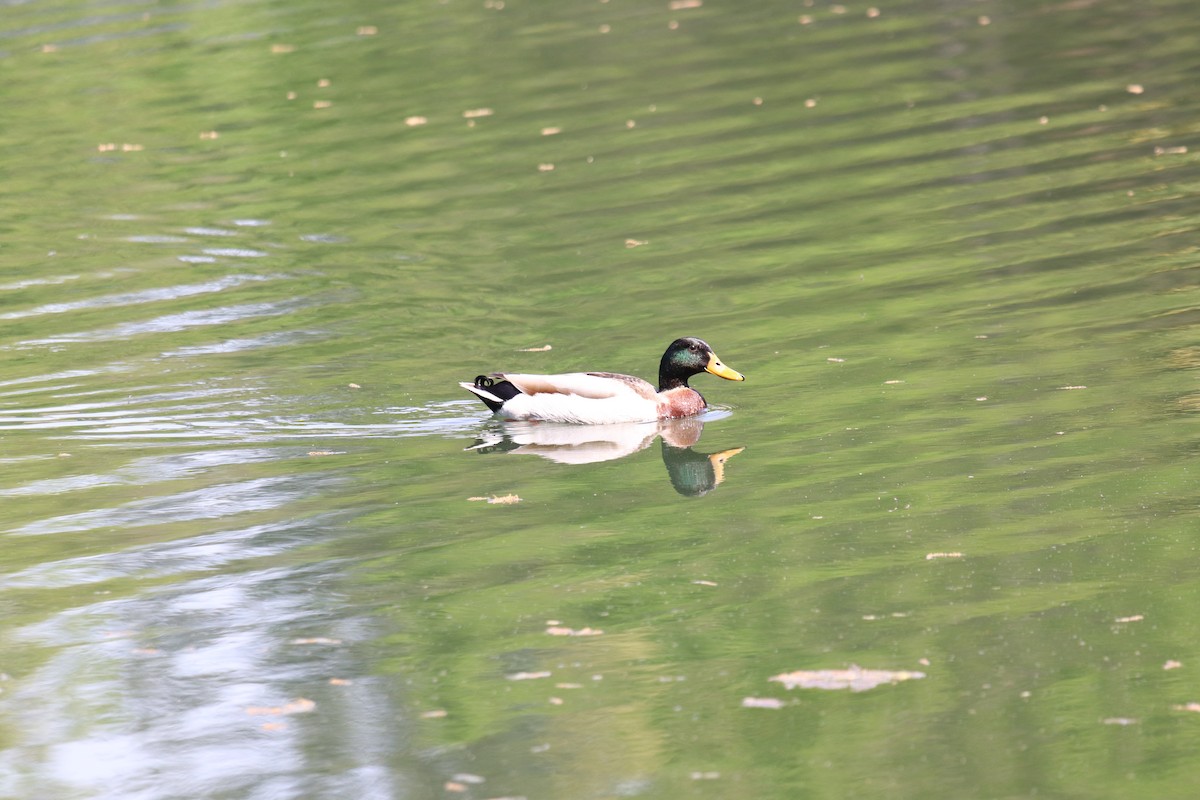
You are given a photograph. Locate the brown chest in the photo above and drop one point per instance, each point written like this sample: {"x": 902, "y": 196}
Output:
{"x": 681, "y": 402}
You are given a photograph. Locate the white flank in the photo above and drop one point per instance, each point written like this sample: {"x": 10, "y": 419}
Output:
{"x": 577, "y": 398}
{"x": 579, "y": 410}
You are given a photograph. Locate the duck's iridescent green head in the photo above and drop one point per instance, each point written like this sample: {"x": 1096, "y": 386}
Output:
{"x": 687, "y": 357}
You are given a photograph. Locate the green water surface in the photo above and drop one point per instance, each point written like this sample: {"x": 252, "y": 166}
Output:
{"x": 249, "y": 249}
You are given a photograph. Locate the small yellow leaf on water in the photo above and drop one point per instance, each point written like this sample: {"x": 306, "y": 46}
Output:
{"x": 1172, "y": 664}
{"x": 282, "y": 48}
{"x": 353, "y": 385}
{"x": 209, "y": 135}
{"x": 340, "y": 682}
{"x": 704, "y": 583}
{"x": 274, "y": 726}
{"x": 1170, "y": 151}
{"x": 1193, "y": 707}
{"x": 366, "y": 30}
{"x": 322, "y": 104}
{"x": 414, "y": 121}
{"x": 682, "y": 5}
{"x": 556, "y": 701}
{"x": 551, "y": 131}
{"x": 528, "y": 676}
{"x": 1135, "y": 88}
{"x": 454, "y": 786}
{"x": 931, "y": 556}
{"x": 437, "y": 713}
{"x": 541, "y": 349}
{"x": 545, "y": 167}
{"x": 504, "y": 500}
{"x": 476, "y": 113}
{"x": 631, "y": 243}
{"x": 1133, "y": 618}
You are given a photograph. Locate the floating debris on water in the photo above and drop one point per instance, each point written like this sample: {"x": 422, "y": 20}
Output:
{"x": 558, "y": 630}
{"x": 856, "y": 679}
{"x": 762, "y": 702}
{"x": 506, "y": 499}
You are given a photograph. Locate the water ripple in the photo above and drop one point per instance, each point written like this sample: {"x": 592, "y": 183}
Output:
{"x": 211, "y": 502}
{"x": 173, "y": 322}
{"x": 143, "y": 471}
{"x": 210, "y": 232}
{"x": 142, "y": 296}
{"x": 235, "y": 252}
{"x": 205, "y": 552}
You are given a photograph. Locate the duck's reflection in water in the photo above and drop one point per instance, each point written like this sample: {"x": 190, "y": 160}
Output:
{"x": 692, "y": 473}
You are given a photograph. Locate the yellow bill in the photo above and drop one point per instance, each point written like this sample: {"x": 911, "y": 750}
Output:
{"x": 721, "y": 371}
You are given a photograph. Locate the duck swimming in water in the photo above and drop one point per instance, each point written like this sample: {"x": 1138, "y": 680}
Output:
{"x": 599, "y": 398}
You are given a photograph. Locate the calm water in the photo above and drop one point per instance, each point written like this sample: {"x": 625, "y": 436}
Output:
{"x": 249, "y": 249}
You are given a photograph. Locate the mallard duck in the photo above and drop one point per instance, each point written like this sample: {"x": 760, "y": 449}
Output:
{"x": 597, "y": 398}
